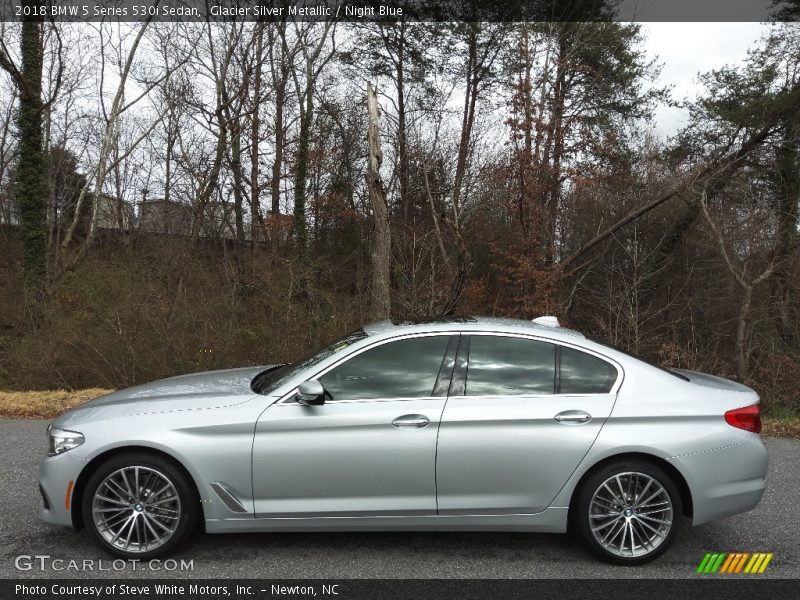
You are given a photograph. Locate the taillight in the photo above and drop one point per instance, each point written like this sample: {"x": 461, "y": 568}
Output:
{"x": 747, "y": 418}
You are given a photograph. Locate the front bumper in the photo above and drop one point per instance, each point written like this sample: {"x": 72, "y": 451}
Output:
{"x": 726, "y": 481}
{"x": 57, "y": 477}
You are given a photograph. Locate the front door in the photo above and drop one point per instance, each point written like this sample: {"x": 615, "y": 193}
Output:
{"x": 516, "y": 426}
{"x": 370, "y": 449}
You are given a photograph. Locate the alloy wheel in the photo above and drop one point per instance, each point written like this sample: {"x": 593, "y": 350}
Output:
{"x": 630, "y": 514}
{"x": 136, "y": 509}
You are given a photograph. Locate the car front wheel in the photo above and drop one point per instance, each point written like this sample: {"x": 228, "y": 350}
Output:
{"x": 138, "y": 505}
{"x": 628, "y": 512}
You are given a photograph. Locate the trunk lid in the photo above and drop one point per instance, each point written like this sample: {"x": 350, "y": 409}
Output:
{"x": 714, "y": 382}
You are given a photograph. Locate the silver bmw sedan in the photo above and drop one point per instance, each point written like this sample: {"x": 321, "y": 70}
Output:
{"x": 467, "y": 424}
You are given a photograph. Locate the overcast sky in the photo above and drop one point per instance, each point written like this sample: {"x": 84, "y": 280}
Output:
{"x": 686, "y": 49}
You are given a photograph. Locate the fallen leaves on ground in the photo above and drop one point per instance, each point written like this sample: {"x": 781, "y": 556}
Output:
{"x": 44, "y": 404}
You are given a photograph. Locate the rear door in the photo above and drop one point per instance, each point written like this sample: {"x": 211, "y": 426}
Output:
{"x": 521, "y": 415}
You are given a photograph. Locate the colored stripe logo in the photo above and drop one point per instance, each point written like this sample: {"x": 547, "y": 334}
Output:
{"x": 734, "y": 562}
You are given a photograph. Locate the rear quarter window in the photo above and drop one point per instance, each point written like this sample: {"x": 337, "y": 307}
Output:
{"x": 582, "y": 373}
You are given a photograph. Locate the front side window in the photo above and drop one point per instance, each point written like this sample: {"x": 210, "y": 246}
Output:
{"x": 509, "y": 366}
{"x": 583, "y": 373}
{"x": 405, "y": 368}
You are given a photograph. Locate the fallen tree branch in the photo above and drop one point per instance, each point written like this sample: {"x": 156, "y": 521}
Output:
{"x": 724, "y": 166}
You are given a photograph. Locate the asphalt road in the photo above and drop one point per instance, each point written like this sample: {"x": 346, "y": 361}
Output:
{"x": 774, "y": 526}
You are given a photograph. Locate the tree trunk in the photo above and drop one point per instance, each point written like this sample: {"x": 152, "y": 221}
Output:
{"x": 238, "y": 178}
{"x": 280, "y": 135}
{"x": 788, "y": 199}
{"x": 305, "y": 96}
{"x": 301, "y": 167}
{"x": 256, "y": 220}
{"x": 168, "y": 159}
{"x": 381, "y": 249}
{"x": 553, "y": 193}
{"x": 468, "y": 118}
{"x": 30, "y": 186}
{"x": 402, "y": 145}
{"x": 742, "y": 333}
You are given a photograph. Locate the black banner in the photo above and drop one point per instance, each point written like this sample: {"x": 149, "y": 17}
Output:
{"x": 751, "y": 587}
{"x": 394, "y": 10}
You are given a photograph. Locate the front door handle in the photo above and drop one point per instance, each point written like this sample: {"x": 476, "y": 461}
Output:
{"x": 411, "y": 421}
{"x": 571, "y": 417}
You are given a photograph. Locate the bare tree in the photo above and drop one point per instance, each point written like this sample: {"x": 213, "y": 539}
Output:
{"x": 256, "y": 218}
{"x": 312, "y": 44}
{"x": 382, "y": 244}
{"x": 108, "y": 138}
{"x": 746, "y": 282}
{"x": 281, "y": 56}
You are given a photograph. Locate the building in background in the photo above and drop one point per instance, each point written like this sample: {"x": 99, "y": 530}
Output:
{"x": 113, "y": 213}
{"x": 158, "y": 215}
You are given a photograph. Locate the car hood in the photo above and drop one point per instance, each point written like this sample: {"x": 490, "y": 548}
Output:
{"x": 210, "y": 389}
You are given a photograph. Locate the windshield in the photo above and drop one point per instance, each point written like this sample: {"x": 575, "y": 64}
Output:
{"x": 271, "y": 379}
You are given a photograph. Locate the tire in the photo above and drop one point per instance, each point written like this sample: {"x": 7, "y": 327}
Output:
{"x": 628, "y": 512}
{"x": 155, "y": 521}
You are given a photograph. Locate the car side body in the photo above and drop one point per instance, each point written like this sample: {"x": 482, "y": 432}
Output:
{"x": 477, "y": 462}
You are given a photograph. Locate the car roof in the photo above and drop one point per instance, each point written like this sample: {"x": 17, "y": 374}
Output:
{"x": 493, "y": 324}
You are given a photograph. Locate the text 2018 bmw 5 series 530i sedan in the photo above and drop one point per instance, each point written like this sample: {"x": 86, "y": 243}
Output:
{"x": 462, "y": 424}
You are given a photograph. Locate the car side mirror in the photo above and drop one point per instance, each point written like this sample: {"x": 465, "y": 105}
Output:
{"x": 310, "y": 393}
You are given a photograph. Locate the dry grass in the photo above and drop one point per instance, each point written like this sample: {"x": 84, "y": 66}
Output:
{"x": 43, "y": 404}
{"x": 49, "y": 404}
{"x": 783, "y": 427}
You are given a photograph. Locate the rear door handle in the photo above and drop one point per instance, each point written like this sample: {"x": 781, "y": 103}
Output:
{"x": 411, "y": 421}
{"x": 571, "y": 417}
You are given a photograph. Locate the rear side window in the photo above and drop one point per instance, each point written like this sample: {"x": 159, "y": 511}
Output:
{"x": 583, "y": 373}
{"x": 509, "y": 366}
{"x": 403, "y": 369}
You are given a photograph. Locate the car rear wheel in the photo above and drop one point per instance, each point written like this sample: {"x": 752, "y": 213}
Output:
{"x": 138, "y": 505}
{"x": 628, "y": 512}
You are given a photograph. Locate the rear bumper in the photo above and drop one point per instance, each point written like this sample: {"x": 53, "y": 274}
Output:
{"x": 57, "y": 477}
{"x": 726, "y": 481}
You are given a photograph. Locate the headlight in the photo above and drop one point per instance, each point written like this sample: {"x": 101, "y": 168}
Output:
{"x": 60, "y": 440}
